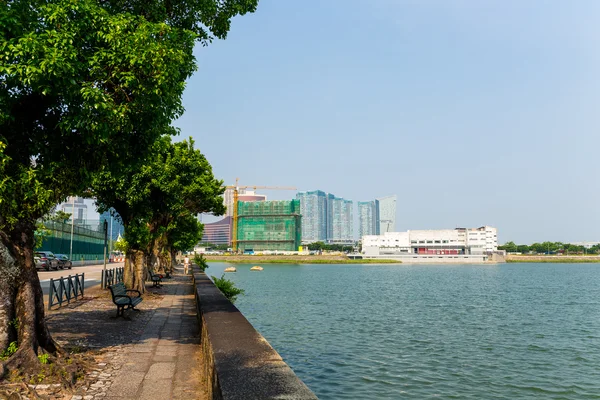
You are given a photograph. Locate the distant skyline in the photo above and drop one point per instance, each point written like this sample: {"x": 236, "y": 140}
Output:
{"x": 473, "y": 113}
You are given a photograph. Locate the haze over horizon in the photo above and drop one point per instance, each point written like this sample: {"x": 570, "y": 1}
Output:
{"x": 472, "y": 113}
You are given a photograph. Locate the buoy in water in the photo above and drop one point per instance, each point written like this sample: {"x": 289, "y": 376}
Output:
{"x": 256, "y": 268}
{"x": 230, "y": 269}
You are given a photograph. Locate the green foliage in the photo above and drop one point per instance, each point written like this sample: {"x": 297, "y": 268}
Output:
{"x": 41, "y": 232}
{"x": 120, "y": 245}
{"x": 10, "y": 350}
{"x": 185, "y": 232}
{"x": 207, "y": 18}
{"x": 78, "y": 80}
{"x": 43, "y": 358}
{"x": 60, "y": 216}
{"x": 227, "y": 287}
{"x": 549, "y": 248}
{"x": 200, "y": 261}
{"x": 320, "y": 246}
{"x": 174, "y": 183}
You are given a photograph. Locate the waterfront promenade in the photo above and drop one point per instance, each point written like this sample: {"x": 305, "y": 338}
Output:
{"x": 155, "y": 354}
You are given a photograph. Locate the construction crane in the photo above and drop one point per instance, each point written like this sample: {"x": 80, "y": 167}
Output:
{"x": 236, "y": 188}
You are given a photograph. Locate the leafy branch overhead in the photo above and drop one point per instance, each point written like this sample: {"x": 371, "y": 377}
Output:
{"x": 88, "y": 89}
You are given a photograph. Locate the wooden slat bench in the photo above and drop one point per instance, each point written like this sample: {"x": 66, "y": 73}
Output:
{"x": 122, "y": 299}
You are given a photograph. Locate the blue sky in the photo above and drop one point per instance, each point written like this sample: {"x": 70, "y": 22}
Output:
{"x": 472, "y": 112}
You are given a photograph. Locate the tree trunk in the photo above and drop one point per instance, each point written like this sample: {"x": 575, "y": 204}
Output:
{"x": 152, "y": 256}
{"x": 135, "y": 272}
{"x": 173, "y": 258}
{"x": 166, "y": 260}
{"x": 22, "y": 317}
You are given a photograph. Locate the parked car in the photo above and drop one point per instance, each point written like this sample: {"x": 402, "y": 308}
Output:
{"x": 38, "y": 262}
{"x": 47, "y": 260}
{"x": 63, "y": 261}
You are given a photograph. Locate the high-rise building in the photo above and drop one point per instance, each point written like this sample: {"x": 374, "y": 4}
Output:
{"x": 326, "y": 218}
{"x": 77, "y": 208}
{"x": 313, "y": 208}
{"x": 341, "y": 221}
{"x": 218, "y": 232}
{"x": 367, "y": 218}
{"x": 377, "y": 217}
{"x": 243, "y": 195}
{"x": 385, "y": 212}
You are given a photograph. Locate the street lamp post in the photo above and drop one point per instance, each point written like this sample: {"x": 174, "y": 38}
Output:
{"x": 72, "y": 227}
{"x": 105, "y": 243}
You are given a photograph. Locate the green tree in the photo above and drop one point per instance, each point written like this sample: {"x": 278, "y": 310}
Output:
{"x": 509, "y": 247}
{"x": 175, "y": 182}
{"x": 186, "y": 187}
{"x": 186, "y": 232}
{"x": 120, "y": 245}
{"x": 60, "y": 216}
{"x": 99, "y": 81}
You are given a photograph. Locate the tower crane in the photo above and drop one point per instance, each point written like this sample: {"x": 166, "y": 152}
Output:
{"x": 236, "y": 188}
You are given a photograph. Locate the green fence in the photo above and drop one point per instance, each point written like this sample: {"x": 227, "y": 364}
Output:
{"x": 87, "y": 244}
{"x": 269, "y": 225}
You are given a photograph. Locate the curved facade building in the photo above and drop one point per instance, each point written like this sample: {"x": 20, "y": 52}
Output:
{"x": 218, "y": 232}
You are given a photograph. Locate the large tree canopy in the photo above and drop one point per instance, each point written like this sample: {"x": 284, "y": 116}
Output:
{"x": 85, "y": 86}
{"x": 82, "y": 88}
{"x": 174, "y": 183}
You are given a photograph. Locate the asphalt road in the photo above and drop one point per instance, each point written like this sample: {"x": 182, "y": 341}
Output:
{"x": 93, "y": 274}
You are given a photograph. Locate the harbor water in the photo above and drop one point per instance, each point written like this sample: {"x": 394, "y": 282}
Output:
{"x": 506, "y": 331}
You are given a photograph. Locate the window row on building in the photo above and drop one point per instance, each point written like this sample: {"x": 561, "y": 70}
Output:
{"x": 444, "y": 241}
{"x": 326, "y": 218}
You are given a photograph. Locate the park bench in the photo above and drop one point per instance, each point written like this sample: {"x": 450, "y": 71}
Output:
{"x": 122, "y": 299}
{"x": 155, "y": 278}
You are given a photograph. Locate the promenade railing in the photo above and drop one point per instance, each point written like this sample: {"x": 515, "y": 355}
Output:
{"x": 65, "y": 289}
{"x": 111, "y": 276}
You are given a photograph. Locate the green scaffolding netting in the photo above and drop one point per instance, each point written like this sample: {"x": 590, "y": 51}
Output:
{"x": 269, "y": 225}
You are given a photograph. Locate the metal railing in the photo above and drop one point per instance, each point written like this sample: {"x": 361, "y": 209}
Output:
{"x": 65, "y": 289}
{"x": 111, "y": 276}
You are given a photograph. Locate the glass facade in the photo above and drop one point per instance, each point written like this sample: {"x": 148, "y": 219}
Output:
{"x": 326, "y": 218}
{"x": 313, "y": 208}
{"x": 342, "y": 221}
{"x": 367, "y": 218}
{"x": 385, "y": 210}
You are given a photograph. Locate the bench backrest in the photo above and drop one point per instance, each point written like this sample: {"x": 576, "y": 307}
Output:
{"x": 118, "y": 289}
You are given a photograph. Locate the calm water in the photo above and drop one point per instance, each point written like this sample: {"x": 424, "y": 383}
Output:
{"x": 512, "y": 331}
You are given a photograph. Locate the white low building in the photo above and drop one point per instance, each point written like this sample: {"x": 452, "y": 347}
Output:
{"x": 442, "y": 243}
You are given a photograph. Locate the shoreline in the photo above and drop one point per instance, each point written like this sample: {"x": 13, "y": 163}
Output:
{"x": 248, "y": 259}
{"x": 510, "y": 258}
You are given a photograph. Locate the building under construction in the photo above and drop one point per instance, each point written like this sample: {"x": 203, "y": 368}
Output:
{"x": 269, "y": 225}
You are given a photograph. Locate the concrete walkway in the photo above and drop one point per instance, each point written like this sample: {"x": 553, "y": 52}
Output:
{"x": 166, "y": 363}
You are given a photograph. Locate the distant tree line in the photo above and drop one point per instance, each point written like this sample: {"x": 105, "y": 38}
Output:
{"x": 320, "y": 246}
{"x": 549, "y": 248}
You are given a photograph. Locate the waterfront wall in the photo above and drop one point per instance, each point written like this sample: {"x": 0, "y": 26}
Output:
{"x": 433, "y": 258}
{"x": 516, "y": 258}
{"x": 240, "y": 364}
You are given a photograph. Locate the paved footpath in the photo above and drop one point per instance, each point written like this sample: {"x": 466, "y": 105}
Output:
{"x": 166, "y": 362}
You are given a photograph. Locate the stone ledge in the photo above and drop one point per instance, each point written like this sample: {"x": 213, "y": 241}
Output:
{"x": 240, "y": 363}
